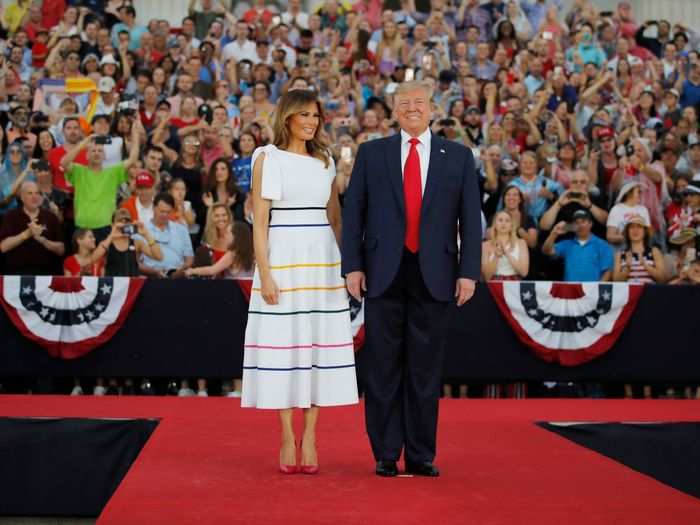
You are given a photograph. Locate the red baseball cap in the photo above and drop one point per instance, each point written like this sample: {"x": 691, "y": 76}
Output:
{"x": 605, "y": 133}
{"x": 145, "y": 180}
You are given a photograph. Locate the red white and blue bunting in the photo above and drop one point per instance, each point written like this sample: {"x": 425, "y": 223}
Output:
{"x": 566, "y": 323}
{"x": 68, "y": 316}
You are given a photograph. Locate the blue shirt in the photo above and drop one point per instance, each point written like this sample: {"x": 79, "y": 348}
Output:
{"x": 175, "y": 244}
{"x": 536, "y": 11}
{"x": 135, "y": 34}
{"x": 590, "y": 54}
{"x": 242, "y": 172}
{"x": 587, "y": 261}
{"x": 690, "y": 94}
{"x": 537, "y": 205}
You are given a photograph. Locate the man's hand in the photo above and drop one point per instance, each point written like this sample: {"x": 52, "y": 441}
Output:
{"x": 36, "y": 229}
{"x": 559, "y": 229}
{"x": 356, "y": 283}
{"x": 464, "y": 290}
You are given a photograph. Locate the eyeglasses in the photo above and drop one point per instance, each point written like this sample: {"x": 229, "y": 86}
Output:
{"x": 15, "y": 150}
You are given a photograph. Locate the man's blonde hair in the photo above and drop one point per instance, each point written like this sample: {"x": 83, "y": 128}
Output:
{"x": 413, "y": 85}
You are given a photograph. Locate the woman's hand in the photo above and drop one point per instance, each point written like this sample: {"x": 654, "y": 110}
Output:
{"x": 208, "y": 200}
{"x": 269, "y": 290}
{"x": 141, "y": 229}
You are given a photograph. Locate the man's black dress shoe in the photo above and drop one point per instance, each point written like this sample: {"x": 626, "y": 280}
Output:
{"x": 422, "y": 469}
{"x": 387, "y": 469}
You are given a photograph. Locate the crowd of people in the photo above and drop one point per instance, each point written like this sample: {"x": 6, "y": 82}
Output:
{"x": 126, "y": 143}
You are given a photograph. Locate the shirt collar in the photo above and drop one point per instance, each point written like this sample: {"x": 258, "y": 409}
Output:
{"x": 423, "y": 137}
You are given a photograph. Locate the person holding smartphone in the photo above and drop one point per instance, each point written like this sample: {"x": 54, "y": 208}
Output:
{"x": 121, "y": 249}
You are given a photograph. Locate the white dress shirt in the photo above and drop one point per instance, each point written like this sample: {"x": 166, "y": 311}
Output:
{"x": 423, "y": 153}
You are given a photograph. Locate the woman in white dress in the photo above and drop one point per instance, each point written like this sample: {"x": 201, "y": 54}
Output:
{"x": 298, "y": 344}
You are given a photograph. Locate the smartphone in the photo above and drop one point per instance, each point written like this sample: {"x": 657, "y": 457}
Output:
{"x": 427, "y": 62}
{"x": 547, "y": 35}
{"x": 575, "y": 195}
{"x": 128, "y": 229}
{"x": 570, "y": 227}
{"x": 345, "y": 153}
{"x": 276, "y": 20}
{"x": 103, "y": 139}
{"x": 409, "y": 74}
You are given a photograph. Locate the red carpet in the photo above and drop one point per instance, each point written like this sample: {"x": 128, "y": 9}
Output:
{"x": 211, "y": 462}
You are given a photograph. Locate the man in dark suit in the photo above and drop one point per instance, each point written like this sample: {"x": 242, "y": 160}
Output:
{"x": 409, "y": 195}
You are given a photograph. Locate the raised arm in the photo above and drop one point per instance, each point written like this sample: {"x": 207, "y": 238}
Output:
{"x": 136, "y": 128}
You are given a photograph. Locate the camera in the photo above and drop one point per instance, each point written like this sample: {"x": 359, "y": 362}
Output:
{"x": 332, "y": 105}
{"x": 575, "y": 195}
{"x": 103, "y": 139}
{"x": 446, "y": 122}
{"x": 128, "y": 229}
{"x": 629, "y": 149}
{"x": 40, "y": 165}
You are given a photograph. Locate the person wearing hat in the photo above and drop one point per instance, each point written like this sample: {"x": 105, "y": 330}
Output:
{"x": 140, "y": 205}
{"x": 473, "y": 126}
{"x": 587, "y": 257}
{"x": 18, "y": 128}
{"x": 107, "y": 100}
{"x": 628, "y": 204}
{"x": 639, "y": 261}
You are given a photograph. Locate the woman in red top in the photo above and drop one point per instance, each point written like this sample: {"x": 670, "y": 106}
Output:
{"x": 186, "y": 122}
{"x": 80, "y": 263}
{"x": 218, "y": 232}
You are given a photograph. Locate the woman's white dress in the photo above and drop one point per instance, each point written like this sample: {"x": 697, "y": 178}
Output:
{"x": 299, "y": 352}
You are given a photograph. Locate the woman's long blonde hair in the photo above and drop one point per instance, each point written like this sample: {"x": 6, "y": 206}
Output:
{"x": 289, "y": 104}
{"x": 210, "y": 234}
{"x": 513, "y": 229}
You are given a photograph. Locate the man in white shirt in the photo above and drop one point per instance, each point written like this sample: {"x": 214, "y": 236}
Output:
{"x": 294, "y": 16}
{"x": 241, "y": 48}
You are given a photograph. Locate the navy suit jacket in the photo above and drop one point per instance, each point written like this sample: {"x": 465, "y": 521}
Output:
{"x": 374, "y": 217}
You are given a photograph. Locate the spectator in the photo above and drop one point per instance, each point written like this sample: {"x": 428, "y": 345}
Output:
{"x": 504, "y": 257}
{"x": 15, "y": 169}
{"x": 140, "y": 205}
{"x": 538, "y": 190}
{"x": 71, "y": 135}
{"x": 182, "y": 212}
{"x": 628, "y": 205}
{"x": 514, "y": 204}
{"x": 221, "y": 188}
{"x": 122, "y": 248}
{"x": 577, "y": 197}
{"x": 127, "y": 14}
{"x": 81, "y": 262}
{"x": 218, "y": 232}
{"x": 639, "y": 261}
{"x": 96, "y": 186}
{"x": 172, "y": 238}
{"x": 586, "y": 257}
{"x": 30, "y": 238}
{"x": 241, "y": 165}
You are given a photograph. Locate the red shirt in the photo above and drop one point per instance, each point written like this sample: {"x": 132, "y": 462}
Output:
{"x": 59, "y": 176}
{"x": 39, "y": 54}
{"x": 72, "y": 266}
{"x": 51, "y": 12}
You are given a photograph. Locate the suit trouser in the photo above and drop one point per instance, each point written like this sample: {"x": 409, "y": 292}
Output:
{"x": 402, "y": 366}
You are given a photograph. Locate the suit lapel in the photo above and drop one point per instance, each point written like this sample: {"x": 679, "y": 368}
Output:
{"x": 393, "y": 162}
{"x": 436, "y": 170}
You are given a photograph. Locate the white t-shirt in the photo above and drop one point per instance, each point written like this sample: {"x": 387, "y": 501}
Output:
{"x": 621, "y": 213}
{"x": 241, "y": 52}
{"x": 113, "y": 152}
{"x": 145, "y": 214}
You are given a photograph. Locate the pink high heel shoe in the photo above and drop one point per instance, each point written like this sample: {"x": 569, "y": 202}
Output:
{"x": 308, "y": 469}
{"x": 289, "y": 469}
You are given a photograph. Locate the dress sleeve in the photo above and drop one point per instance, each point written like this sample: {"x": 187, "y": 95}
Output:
{"x": 271, "y": 174}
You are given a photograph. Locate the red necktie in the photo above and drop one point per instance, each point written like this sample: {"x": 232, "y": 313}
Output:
{"x": 413, "y": 195}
